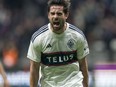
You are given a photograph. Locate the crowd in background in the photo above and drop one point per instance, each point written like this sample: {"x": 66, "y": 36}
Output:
{"x": 19, "y": 19}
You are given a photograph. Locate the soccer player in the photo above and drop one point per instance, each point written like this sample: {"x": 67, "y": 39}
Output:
{"x": 3, "y": 74}
{"x": 60, "y": 49}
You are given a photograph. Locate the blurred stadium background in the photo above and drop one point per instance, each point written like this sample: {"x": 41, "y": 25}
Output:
{"x": 19, "y": 19}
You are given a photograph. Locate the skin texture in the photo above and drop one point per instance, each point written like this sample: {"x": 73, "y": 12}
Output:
{"x": 3, "y": 74}
{"x": 57, "y": 20}
{"x": 84, "y": 69}
{"x": 34, "y": 73}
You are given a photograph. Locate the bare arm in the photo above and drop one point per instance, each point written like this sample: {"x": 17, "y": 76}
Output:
{"x": 34, "y": 73}
{"x": 2, "y": 72}
{"x": 84, "y": 69}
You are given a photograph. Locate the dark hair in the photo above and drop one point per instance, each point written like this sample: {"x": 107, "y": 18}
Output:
{"x": 64, "y": 3}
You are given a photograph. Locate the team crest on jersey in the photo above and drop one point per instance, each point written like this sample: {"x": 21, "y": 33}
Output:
{"x": 70, "y": 43}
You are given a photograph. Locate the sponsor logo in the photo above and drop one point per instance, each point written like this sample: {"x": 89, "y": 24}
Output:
{"x": 48, "y": 46}
{"x": 59, "y": 58}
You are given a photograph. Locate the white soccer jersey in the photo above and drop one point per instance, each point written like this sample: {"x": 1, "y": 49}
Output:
{"x": 59, "y": 55}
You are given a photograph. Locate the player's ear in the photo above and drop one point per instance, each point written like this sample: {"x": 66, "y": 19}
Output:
{"x": 66, "y": 15}
{"x": 48, "y": 15}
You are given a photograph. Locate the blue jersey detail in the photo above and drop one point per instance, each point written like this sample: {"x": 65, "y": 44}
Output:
{"x": 76, "y": 29}
{"x": 39, "y": 31}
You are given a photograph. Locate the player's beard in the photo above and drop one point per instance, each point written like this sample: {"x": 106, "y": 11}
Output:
{"x": 57, "y": 26}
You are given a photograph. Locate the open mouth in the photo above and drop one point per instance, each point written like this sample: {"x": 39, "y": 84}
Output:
{"x": 56, "y": 24}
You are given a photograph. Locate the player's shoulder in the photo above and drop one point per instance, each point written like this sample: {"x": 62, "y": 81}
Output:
{"x": 40, "y": 31}
{"x": 76, "y": 29}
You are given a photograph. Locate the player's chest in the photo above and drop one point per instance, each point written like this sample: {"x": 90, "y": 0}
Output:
{"x": 58, "y": 44}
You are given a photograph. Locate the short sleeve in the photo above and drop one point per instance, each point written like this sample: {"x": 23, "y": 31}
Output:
{"x": 82, "y": 48}
{"x": 33, "y": 52}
